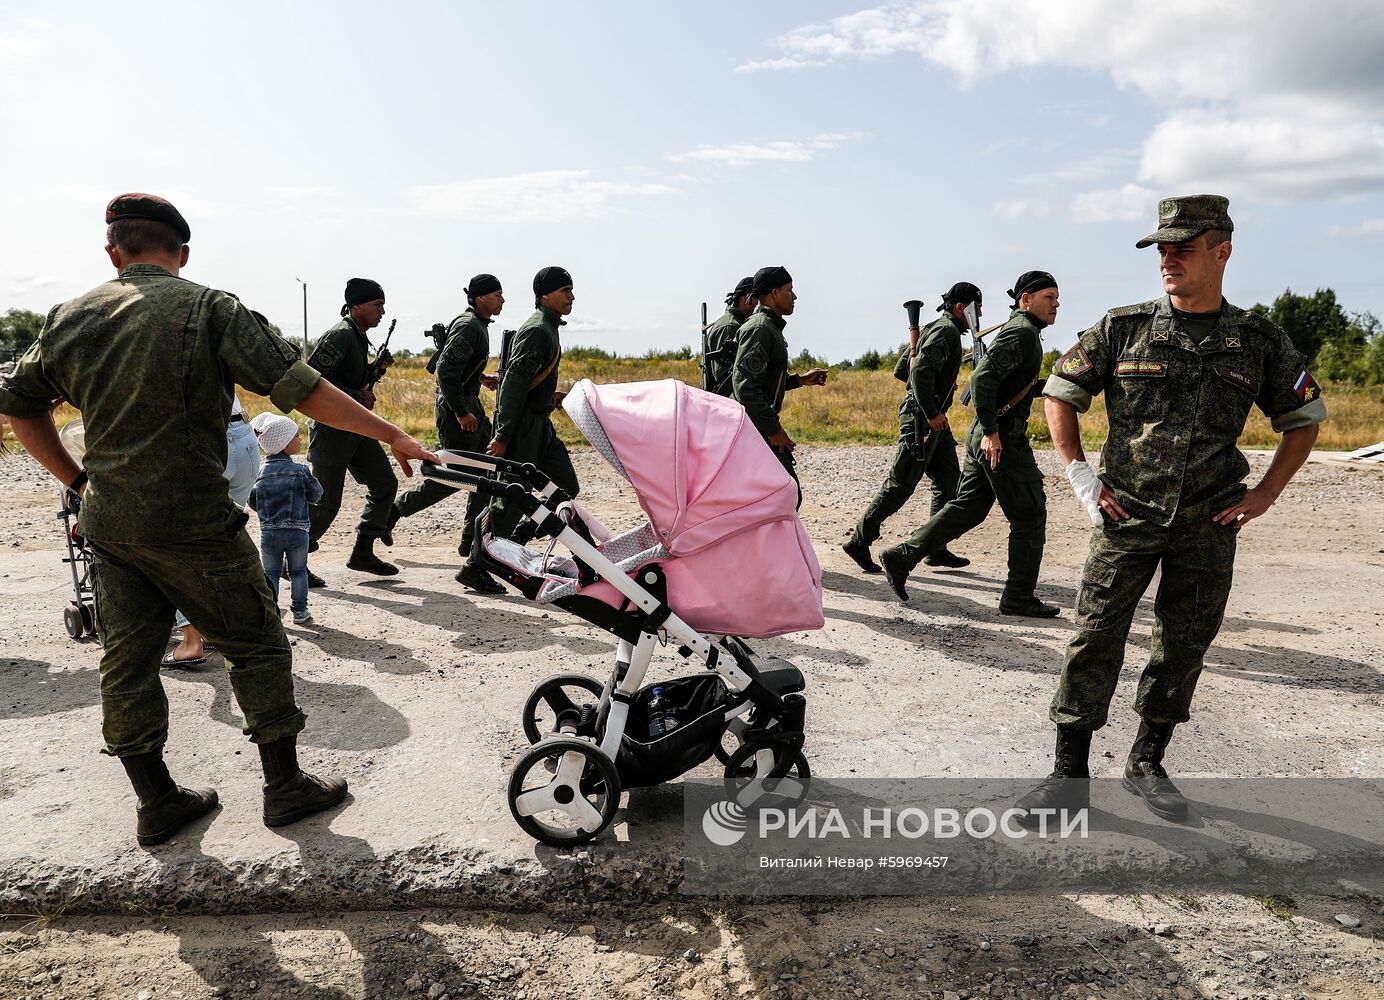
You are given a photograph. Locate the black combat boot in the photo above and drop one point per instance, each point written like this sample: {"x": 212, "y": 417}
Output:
{"x": 1027, "y": 607}
{"x": 164, "y": 807}
{"x": 387, "y": 536}
{"x": 1069, "y": 785}
{"x": 1144, "y": 774}
{"x": 477, "y": 580}
{"x": 891, "y": 560}
{"x": 945, "y": 558}
{"x": 289, "y": 792}
{"x": 364, "y": 560}
{"x": 860, "y": 552}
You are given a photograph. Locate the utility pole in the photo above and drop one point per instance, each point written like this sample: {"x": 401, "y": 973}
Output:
{"x": 305, "y": 316}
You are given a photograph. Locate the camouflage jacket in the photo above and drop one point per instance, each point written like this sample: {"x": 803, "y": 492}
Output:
{"x": 459, "y": 366}
{"x": 151, "y": 360}
{"x": 536, "y": 349}
{"x": 760, "y": 374}
{"x": 1176, "y": 408}
{"x": 342, "y": 355}
{"x": 931, "y": 372}
{"x": 718, "y": 368}
{"x": 1012, "y": 361}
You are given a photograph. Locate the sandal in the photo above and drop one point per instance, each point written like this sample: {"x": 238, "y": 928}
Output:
{"x": 169, "y": 660}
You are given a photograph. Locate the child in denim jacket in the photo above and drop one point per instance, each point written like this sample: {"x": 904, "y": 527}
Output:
{"x": 283, "y": 490}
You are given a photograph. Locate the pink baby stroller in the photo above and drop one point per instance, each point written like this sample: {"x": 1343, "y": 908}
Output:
{"x": 722, "y": 557}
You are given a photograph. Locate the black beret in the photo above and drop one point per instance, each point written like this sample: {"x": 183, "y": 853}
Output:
{"x": 550, "y": 279}
{"x": 482, "y": 284}
{"x": 1031, "y": 281}
{"x": 962, "y": 292}
{"x": 766, "y": 279}
{"x": 136, "y": 205}
{"x": 362, "y": 290}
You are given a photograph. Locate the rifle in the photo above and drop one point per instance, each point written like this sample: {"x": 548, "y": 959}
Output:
{"x": 922, "y": 430}
{"x": 506, "y": 340}
{"x": 438, "y": 333}
{"x": 706, "y": 373}
{"x": 377, "y": 369}
{"x": 977, "y": 352}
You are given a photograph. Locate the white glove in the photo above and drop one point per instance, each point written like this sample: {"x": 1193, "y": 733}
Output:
{"x": 1087, "y": 487}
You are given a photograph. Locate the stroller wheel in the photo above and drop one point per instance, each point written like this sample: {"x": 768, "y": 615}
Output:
{"x": 557, "y": 701}
{"x": 569, "y": 803}
{"x": 88, "y": 619}
{"x": 731, "y": 740}
{"x": 72, "y": 621}
{"x": 750, "y": 776}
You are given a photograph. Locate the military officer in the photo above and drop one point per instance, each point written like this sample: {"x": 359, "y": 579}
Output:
{"x": 527, "y": 394}
{"x": 462, "y": 424}
{"x": 342, "y": 356}
{"x": 999, "y": 460}
{"x": 150, "y": 360}
{"x": 1179, "y": 374}
{"x": 760, "y": 374}
{"x": 721, "y": 337}
{"x": 930, "y": 370}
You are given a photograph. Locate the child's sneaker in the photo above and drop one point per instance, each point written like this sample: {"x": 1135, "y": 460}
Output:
{"x": 303, "y": 618}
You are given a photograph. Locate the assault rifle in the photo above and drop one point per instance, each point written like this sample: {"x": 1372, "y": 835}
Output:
{"x": 977, "y": 352}
{"x": 706, "y": 367}
{"x": 377, "y": 368}
{"x": 438, "y": 333}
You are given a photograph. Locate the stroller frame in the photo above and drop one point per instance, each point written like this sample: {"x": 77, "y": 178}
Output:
{"x": 79, "y": 617}
{"x": 588, "y": 748}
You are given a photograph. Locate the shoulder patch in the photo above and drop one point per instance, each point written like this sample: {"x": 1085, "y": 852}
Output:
{"x": 1074, "y": 363}
{"x": 327, "y": 355}
{"x": 1305, "y": 386}
{"x": 754, "y": 361}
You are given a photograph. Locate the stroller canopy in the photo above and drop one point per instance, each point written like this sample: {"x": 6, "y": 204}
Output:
{"x": 701, "y": 470}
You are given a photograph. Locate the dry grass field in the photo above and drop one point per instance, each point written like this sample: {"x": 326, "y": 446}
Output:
{"x": 854, "y": 407}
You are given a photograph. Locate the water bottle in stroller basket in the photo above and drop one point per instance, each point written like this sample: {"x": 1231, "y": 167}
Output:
{"x": 663, "y": 717}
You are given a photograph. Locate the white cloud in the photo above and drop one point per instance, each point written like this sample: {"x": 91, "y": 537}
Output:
{"x": 1273, "y": 99}
{"x": 551, "y": 195}
{"x": 1125, "y": 204}
{"x": 739, "y": 154}
{"x": 1011, "y": 209}
{"x": 1368, "y": 229}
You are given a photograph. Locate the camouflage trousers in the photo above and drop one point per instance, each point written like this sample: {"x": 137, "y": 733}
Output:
{"x": 429, "y": 491}
{"x": 939, "y": 464}
{"x": 1016, "y": 485}
{"x": 219, "y": 584}
{"x": 1197, "y": 558}
{"x": 332, "y": 453}
{"x": 535, "y": 440}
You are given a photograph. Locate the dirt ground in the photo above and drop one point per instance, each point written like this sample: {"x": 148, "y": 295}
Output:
{"x": 422, "y": 885}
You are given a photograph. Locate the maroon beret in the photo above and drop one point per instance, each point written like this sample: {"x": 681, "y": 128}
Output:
{"x": 136, "y": 205}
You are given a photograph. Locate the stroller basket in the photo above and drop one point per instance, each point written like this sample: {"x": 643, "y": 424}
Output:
{"x": 645, "y": 760}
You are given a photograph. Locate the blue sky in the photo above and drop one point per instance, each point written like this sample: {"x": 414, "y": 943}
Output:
{"x": 661, "y": 151}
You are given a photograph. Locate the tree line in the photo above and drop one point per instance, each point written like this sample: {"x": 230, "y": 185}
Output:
{"x": 1341, "y": 346}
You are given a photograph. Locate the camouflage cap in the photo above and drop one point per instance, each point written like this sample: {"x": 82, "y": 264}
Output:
{"x": 136, "y": 205}
{"x": 1180, "y": 219}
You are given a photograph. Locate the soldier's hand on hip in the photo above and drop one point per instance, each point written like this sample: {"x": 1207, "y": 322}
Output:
{"x": 817, "y": 376}
{"x": 782, "y": 441}
{"x": 367, "y": 399}
{"x": 1255, "y": 501}
{"x": 991, "y": 448}
{"x": 497, "y": 449}
{"x": 1110, "y": 507}
{"x": 467, "y": 423}
{"x": 404, "y": 448}
{"x": 939, "y": 422}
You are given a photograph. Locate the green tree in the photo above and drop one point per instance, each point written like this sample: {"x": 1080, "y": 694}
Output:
{"x": 18, "y": 329}
{"x": 1309, "y": 320}
{"x": 1050, "y": 358}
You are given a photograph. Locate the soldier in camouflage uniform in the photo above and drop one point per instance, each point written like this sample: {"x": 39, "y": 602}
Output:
{"x": 1000, "y": 466}
{"x": 721, "y": 337}
{"x": 1179, "y": 374}
{"x": 926, "y": 446}
{"x": 342, "y": 355}
{"x": 527, "y": 395}
{"x": 760, "y": 375}
{"x": 462, "y": 424}
{"x": 150, "y": 360}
